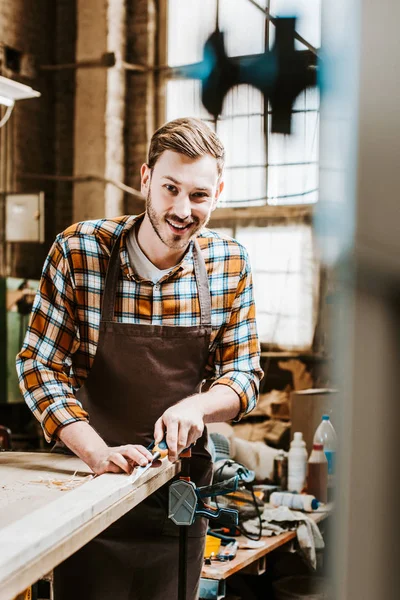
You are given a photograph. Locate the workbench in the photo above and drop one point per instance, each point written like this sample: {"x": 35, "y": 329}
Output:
{"x": 43, "y": 521}
{"x": 247, "y": 561}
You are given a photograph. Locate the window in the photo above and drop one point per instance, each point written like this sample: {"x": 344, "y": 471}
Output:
{"x": 286, "y": 283}
{"x": 260, "y": 169}
{"x": 272, "y": 169}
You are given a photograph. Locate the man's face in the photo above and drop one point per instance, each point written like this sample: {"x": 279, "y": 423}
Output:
{"x": 181, "y": 193}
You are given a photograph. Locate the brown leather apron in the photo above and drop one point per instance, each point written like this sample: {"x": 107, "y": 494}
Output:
{"x": 138, "y": 372}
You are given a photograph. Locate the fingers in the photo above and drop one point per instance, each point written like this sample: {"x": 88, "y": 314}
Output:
{"x": 120, "y": 461}
{"x": 138, "y": 455}
{"x": 183, "y": 438}
{"x": 172, "y": 440}
{"x": 179, "y": 437}
{"x": 159, "y": 430}
{"x": 112, "y": 468}
{"x": 124, "y": 459}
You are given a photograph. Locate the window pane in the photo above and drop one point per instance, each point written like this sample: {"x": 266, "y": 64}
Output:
{"x": 190, "y": 23}
{"x": 244, "y": 141}
{"x": 245, "y": 187}
{"x": 308, "y": 19}
{"x": 307, "y": 100}
{"x": 183, "y": 99}
{"x": 301, "y": 146}
{"x": 243, "y": 100}
{"x": 286, "y": 280}
{"x": 244, "y": 27}
{"x": 292, "y": 184}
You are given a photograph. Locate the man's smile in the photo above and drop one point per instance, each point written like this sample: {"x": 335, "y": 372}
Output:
{"x": 179, "y": 228}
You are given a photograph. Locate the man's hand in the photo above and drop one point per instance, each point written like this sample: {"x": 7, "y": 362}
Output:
{"x": 182, "y": 425}
{"x": 119, "y": 459}
{"x": 86, "y": 443}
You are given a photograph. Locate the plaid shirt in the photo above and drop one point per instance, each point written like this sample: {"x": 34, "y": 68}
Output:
{"x": 61, "y": 341}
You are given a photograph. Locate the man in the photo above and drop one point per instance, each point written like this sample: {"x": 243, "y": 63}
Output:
{"x": 131, "y": 316}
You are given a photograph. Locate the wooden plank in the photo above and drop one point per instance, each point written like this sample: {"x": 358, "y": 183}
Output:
{"x": 23, "y": 479}
{"x": 40, "y": 539}
{"x": 246, "y": 557}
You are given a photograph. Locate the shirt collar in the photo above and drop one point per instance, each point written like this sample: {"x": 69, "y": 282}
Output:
{"x": 126, "y": 267}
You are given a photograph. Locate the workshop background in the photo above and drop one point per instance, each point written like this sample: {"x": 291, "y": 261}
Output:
{"x": 324, "y": 252}
{"x": 83, "y": 141}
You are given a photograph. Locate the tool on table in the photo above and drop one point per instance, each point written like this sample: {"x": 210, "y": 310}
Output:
{"x": 221, "y": 534}
{"x": 215, "y": 550}
{"x": 228, "y": 552}
{"x": 158, "y": 451}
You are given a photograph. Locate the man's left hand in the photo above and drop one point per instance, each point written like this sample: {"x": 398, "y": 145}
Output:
{"x": 182, "y": 425}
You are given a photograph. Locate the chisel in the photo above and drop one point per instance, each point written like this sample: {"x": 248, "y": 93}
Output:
{"x": 158, "y": 451}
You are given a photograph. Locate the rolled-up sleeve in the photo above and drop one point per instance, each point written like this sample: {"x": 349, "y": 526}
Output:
{"x": 44, "y": 361}
{"x": 237, "y": 355}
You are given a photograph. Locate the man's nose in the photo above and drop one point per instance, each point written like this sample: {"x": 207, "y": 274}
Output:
{"x": 182, "y": 207}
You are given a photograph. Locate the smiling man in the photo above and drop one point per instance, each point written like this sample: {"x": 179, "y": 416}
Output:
{"x": 132, "y": 315}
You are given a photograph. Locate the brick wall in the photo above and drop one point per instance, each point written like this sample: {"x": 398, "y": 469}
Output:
{"x": 64, "y": 104}
{"x": 30, "y": 30}
{"x": 140, "y": 94}
{"x": 42, "y": 130}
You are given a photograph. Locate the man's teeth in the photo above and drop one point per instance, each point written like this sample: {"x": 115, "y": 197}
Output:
{"x": 179, "y": 226}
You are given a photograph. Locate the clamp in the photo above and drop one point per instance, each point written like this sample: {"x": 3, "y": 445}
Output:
{"x": 186, "y": 502}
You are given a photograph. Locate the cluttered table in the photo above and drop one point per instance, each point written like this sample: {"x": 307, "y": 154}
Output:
{"x": 250, "y": 558}
{"x": 51, "y": 505}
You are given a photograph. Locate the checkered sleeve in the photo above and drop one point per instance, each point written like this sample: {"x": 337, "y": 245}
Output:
{"x": 237, "y": 355}
{"x": 52, "y": 337}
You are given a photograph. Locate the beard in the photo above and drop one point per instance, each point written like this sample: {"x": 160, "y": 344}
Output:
{"x": 161, "y": 228}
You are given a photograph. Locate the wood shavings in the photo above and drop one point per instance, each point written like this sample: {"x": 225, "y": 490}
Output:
{"x": 63, "y": 484}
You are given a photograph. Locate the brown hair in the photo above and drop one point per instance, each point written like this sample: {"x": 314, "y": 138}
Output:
{"x": 188, "y": 136}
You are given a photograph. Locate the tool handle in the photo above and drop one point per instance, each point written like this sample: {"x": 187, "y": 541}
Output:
{"x": 227, "y": 516}
{"x": 219, "y": 489}
{"x": 160, "y": 449}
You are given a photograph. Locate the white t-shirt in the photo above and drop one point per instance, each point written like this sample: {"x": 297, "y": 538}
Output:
{"x": 139, "y": 261}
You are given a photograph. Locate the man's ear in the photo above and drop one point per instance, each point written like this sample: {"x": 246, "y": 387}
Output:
{"x": 145, "y": 177}
{"x": 218, "y": 192}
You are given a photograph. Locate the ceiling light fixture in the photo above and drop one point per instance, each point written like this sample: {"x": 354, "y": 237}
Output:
{"x": 10, "y": 92}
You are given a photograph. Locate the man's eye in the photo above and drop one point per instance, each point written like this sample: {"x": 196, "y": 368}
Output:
{"x": 170, "y": 188}
{"x": 200, "y": 195}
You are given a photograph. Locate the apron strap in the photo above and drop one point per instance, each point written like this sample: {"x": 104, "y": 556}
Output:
{"x": 203, "y": 285}
{"x": 111, "y": 284}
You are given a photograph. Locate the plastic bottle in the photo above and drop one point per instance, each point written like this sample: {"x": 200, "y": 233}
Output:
{"x": 297, "y": 468}
{"x": 326, "y": 435}
{"x": 317, "y": 475}
{"x": 296, "y": 501}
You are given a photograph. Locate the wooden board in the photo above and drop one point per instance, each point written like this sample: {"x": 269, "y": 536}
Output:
{"x": 244, "y": 557}
{"x": 41, "y": 526}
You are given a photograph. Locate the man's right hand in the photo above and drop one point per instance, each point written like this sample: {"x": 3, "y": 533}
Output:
{"x": 86, "y": 443}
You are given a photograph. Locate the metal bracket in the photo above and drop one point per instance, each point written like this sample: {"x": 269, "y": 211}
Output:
{"x": 212, "y": 589}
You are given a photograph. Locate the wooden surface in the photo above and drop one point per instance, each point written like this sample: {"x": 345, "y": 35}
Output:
{"x": 244, "y": 557}
{"x": 40, "y": 526}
